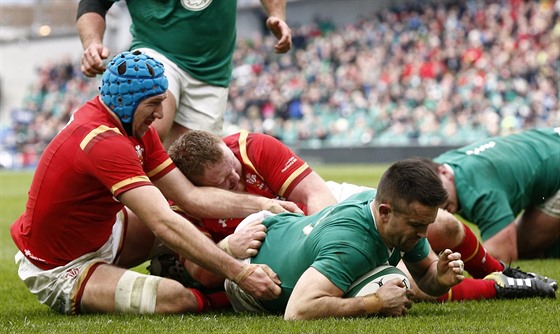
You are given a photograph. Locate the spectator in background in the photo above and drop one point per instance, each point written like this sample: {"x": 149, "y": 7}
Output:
{"x": 48, "y": 105}
{"x": 199, "y": 68}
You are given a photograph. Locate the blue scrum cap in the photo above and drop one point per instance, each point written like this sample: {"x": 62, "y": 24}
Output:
{"x": 129, "y": 78}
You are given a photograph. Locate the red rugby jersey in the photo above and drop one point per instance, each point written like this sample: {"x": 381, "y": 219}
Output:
{"x": 71, "y": 206}
{"x": 270, "y": 169}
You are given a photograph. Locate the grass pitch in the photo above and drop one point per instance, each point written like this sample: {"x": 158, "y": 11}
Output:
{"x": 21, "y": 313}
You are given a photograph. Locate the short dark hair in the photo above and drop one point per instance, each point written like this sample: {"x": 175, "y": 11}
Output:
{"x": 408, "y": 181}
{"x": 431, "y": 163}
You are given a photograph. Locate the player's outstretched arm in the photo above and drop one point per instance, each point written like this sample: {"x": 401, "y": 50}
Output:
{"x": 209, "y": 202}
{"x": 312, "y": 191}
{"x": 183, "y": 237}
{"x": 315, "y": 296}
{"x": 242, "y": 244}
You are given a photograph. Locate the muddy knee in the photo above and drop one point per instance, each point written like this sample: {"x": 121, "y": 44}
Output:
{"x": 446, "y": 232}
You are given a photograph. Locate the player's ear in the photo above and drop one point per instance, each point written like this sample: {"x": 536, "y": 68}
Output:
{"x": 442, "y": 171}
{"x": 384, "y": 210}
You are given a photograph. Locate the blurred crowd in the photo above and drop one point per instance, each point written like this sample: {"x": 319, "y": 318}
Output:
{"x": 422, "y": 74}
{"x": 59, "y": 89}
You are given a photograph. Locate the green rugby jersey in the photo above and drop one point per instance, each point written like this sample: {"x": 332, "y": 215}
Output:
{"x": 198, "y": 36}
{"x": 496, "y": 178}
{"x": 340, "y": 241}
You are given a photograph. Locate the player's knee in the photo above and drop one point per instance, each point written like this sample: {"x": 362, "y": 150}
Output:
{"x": 446, "y": 232}
{"x": 505, "y": 252}
{"x": 146, "y": 294}
{"x": 174, "y": 298}
{"x": 503, "y": 245}
{"x": 136, "y": 293}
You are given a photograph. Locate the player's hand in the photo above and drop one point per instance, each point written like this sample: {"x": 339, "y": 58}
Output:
{"x": 262, "y": 283}
{"x": 397, "y": 299}
{"x": 278, "y": 206}
{"x": 91, "y": 63}
{"x": 283, "y": 33}
{"x": 246, "y": 242}
{"x": 450, "y": 268}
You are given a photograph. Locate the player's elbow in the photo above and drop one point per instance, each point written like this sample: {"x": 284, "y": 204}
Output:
{"x": 292, "y": 316}
{"x": 298, "y": 312}
{"x": 160, "y": 226}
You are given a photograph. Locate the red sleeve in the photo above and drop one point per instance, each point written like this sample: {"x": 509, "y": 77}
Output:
{"x": 158, "y": 163}
{"x": 273, "y": 161}
{"x": 122, "y": 163}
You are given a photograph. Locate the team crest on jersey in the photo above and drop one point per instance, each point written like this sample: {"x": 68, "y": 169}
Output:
{"x": 196, "y": 5}
{"x": 252, "y": 179}
{"x": 223, "y": 222}
{"x": 140, "y": 152}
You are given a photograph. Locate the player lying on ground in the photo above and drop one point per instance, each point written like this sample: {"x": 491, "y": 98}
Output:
{"x": 321, "y": 255}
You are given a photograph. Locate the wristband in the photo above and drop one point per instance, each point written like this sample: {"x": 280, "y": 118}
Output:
{"x": 245, "y": 272}
{"x": 372, "y": 303}
{"x": 224, "y": 245}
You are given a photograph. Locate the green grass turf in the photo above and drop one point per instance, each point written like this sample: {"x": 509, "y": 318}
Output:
{"x": 21, "y": 313}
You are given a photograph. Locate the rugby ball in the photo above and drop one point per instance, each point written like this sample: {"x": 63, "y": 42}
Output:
{"x": 372, "y": 280}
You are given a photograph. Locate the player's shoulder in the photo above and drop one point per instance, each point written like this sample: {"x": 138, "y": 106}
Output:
{"x": 254, "y": 142}
{"x": 260, "y": 137}
{"x": 544, "y": 134}
{"x": 363, "y": 196}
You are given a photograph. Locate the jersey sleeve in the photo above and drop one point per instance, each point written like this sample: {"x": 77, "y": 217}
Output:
{"x": 420, "y": 251}
{"x": 274, "y": 162}
{"x": 157, "y": 161}
{"x": 121, "y": 164}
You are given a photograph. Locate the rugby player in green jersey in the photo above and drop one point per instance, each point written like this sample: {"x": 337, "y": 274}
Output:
{"x": 318, "y": 257}
{"x": 510, "y": 188}
{"x": 195, "y": 41}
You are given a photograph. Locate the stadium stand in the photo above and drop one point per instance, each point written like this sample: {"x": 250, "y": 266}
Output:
{"x": 421, "y": 74}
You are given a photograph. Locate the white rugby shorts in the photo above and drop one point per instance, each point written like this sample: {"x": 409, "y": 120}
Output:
{"x": 199, "y": 106}
{"x": 342, "y": 191}
{"x": 59, "y": 287}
